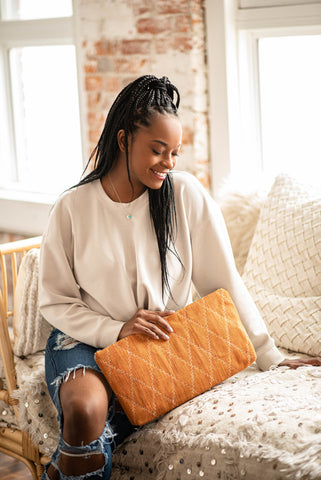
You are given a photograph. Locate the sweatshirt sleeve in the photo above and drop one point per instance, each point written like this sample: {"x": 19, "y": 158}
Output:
{"x": 60, "y": 297}
{"x": 214, "y": 268}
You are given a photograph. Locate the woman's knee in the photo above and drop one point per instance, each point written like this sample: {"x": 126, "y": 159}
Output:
{"x": 84, "y": 401}
{"x": 84, "y": 410}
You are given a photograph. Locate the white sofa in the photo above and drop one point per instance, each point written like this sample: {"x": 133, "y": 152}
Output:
{"x": 254, "y": 425}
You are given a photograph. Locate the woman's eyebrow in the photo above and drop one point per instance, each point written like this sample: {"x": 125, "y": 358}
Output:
{"x": 163, "y": 143}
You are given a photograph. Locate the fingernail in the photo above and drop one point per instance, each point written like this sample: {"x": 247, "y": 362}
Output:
{"x": 170, "y": 329}
{"x": 166, "y": 337}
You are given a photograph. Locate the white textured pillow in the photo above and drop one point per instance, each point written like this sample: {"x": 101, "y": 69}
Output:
{"x": 283, "y": 268}
{"x": 30, "y": 329}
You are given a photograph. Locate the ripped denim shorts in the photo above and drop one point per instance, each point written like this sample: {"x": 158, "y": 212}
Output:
{"x": 65, "y": 355}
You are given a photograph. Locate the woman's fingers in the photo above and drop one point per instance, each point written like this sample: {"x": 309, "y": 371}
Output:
{"x": 301, "y": 362}
{"x": 157, "y": 318}
{"x": 148, "y": 322}
{"x": 150, "y": 329}
{"x": 153, "y": 324}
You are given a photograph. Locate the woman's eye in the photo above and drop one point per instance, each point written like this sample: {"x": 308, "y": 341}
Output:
{"x": 176, "y": 154}
{"x": 156, "y": 153}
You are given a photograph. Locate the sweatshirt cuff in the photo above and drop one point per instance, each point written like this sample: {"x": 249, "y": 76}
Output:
{"x": 268, "y": 359}
{"x": 111, "y": 335}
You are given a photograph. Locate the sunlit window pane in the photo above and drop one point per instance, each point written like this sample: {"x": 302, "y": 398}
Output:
{"x": 290, "y": 79}
{"x": 33, "y": 9}
{"x": 46, "y": 117}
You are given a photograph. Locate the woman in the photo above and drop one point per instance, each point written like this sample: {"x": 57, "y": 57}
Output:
{"x": 120, "y": 252}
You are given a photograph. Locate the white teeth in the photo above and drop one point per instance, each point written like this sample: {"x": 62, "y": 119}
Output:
{"x": 160, "y": 174}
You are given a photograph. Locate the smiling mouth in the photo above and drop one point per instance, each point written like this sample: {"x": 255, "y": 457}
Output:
{"x": 160, "y": 175}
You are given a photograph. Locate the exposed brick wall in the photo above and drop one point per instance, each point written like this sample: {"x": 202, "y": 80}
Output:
{"x": 123, "y": 39}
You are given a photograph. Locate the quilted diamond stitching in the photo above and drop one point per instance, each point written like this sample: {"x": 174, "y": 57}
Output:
{"x": 235, "y": 326}
{"x": 194, "y": 333}
{"x": 110, "y": 366}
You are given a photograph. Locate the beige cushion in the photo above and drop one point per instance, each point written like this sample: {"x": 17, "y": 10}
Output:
{"x": 30, "y": 330}
{"x": 283, "y": 268}
{"x": 241, "y": 213}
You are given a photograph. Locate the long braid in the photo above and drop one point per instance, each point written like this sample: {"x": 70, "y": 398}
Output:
{"x": 134, "y": 106}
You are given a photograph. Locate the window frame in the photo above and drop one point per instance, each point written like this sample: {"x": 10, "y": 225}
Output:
{"x": 232, "y": 36}
{"x": 274, "y": 3}
{"x": 23, "y": 212}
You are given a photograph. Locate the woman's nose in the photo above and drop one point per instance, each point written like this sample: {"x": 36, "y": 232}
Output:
{"x": 169, "y": 162}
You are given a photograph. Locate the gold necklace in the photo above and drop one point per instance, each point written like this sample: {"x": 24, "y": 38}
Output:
{"x": 129, "y": 216}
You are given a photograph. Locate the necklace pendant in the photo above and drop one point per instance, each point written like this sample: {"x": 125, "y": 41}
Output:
{"x": 129, "y": 217}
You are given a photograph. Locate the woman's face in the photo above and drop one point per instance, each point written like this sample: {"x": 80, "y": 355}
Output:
{"x": 153, "y": 152}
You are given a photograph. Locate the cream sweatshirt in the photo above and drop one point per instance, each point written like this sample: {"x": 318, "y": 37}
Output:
{"x": 98, "y": 267}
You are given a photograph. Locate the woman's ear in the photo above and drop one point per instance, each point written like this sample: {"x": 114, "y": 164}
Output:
{"x": 121, "y": 140}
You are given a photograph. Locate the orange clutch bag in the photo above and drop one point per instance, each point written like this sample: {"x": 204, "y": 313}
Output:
{"x": 151, "y": 377}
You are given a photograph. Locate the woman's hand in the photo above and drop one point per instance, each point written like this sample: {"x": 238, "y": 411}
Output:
{"x": 147, "y": 322}
{"x": 300, "y": 362}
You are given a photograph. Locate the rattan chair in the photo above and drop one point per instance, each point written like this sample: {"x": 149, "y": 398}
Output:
{"x": 14, "y": 441}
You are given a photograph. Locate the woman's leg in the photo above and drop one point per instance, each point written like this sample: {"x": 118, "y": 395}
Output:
{"x": 81, "y": 396}
{"x": 84, "y": 400}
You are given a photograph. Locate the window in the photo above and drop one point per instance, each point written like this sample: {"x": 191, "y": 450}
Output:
{"x": 46, "y": 118}
{"x": 290, "y": 105}
{"x": 40, "y": 140}
{"x": 264, "y": 65}
{"x": 32, "y": 9}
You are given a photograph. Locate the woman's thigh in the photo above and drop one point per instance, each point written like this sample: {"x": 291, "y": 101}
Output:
{"x": 64, "y": 357}
{"x": 71, "y": 368}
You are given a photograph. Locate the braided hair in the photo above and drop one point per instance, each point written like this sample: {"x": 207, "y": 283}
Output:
{"x": 134, "y": 106}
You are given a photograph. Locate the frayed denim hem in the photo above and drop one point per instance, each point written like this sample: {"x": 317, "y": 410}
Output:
{"x": 98, "y": 474}
{"x": 102, "y": 445}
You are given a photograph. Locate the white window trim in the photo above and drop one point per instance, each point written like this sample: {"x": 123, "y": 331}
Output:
{"x": 277, "y": 17}
{"x": 221, "y": 58}
{"x": 277, "y": 3}
{"x": 35, "y": 32}
{"x": 25, "y": 213}
{"x": 233, "y": 85}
